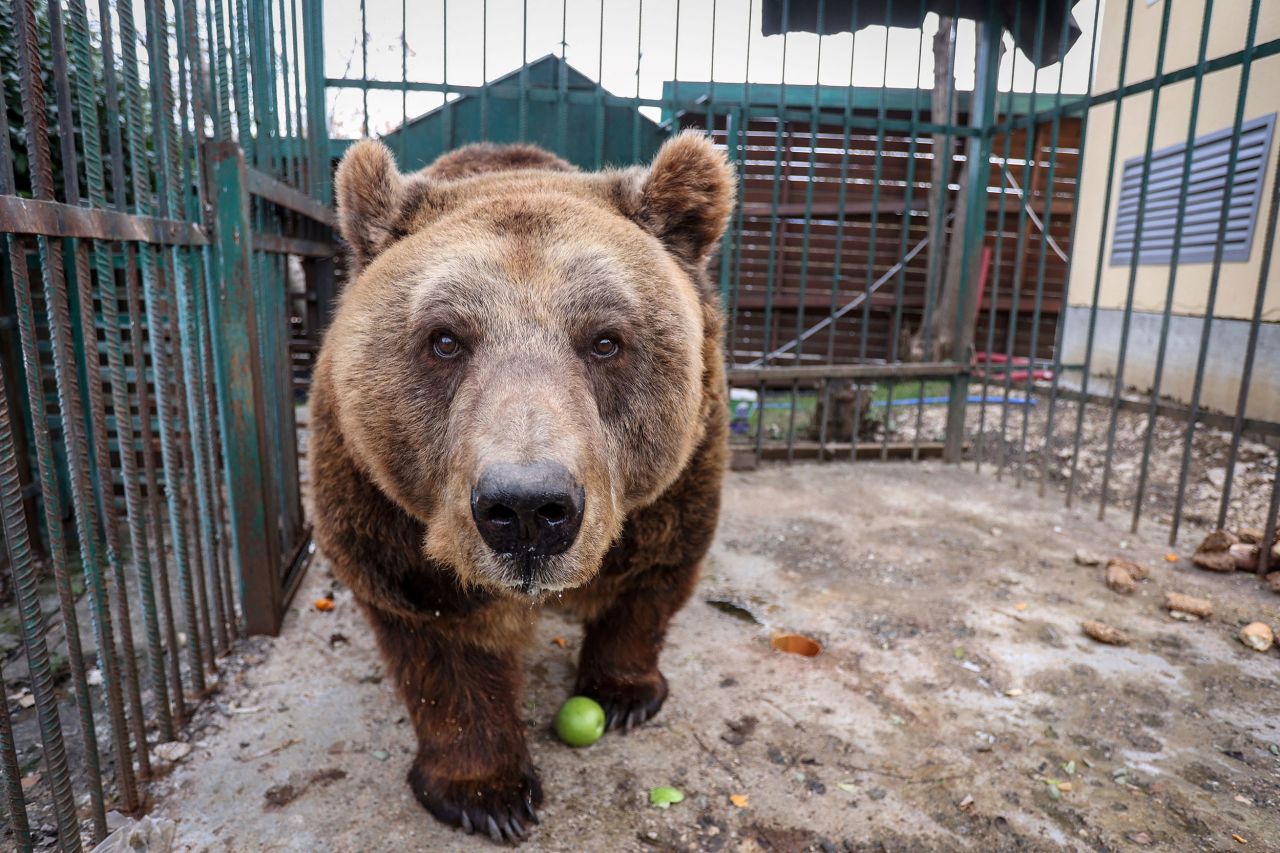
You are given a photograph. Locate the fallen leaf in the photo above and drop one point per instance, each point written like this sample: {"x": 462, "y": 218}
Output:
{"x": 1238, "y": 839}
{"x": 739, "y": 800}
{"x": 966, "y": 802}
{"x": 1069, "y": 768}
{"x": 324, "y": 605}
{"x": 665, "y": 796}
{"x": 847, "y": 787}
{"x": 1064, "y": 786}
{"x": 1021, "y": 605}
{"x": 380, "y": 754}
{"x": 559, "y": 641}
{"x": 1171, "y": 557}
{"x": 1241, "y": 798}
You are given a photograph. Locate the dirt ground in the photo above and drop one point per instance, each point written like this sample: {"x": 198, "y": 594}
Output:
{"x": 956, "y": 703}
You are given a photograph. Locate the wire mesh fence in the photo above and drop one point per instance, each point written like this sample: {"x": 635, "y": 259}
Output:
{"x": 966, "y": 229}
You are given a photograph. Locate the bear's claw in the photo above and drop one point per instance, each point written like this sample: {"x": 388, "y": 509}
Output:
{"x": 498, "y": 808}
{"x": 627, "y": 705}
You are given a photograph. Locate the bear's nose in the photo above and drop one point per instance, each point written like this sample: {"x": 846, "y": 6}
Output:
{"x": 533, "y": 509}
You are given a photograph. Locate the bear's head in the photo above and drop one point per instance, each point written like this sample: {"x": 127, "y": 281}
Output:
{"x": 518, "y": 361}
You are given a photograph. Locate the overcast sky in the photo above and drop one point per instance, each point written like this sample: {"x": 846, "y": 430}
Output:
{"x": 645, "y": 42}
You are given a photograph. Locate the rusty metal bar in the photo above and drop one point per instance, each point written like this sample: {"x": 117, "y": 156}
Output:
{"x": 68, "y": 390}
{"x": 280, "y": 193}
{"x": 53, "y": 219}
{"x": 278, "y": 245}
{"x": 749, "y": 376}
{"x": 241, "y": 402}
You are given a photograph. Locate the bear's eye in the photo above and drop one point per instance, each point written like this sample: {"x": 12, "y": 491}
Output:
{"x": 604, "y": 347}
{"x": 445, "y": 345}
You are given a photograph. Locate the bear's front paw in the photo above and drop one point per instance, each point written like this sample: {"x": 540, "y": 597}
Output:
{"x": 627, "y": 702}
{"x": 502, "y": 805}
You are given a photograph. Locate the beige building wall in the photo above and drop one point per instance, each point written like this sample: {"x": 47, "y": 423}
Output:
{"x": 1238, "y": 281}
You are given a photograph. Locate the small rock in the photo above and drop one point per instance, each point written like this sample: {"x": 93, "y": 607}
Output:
{"x": 1218, "y": 540}
{"x": 1140, "y": 838}
{"x": 1257, "y": 636}
{"x": 1183, "y": 616}
{"x": 1217, "y": 477}
{"x": 1273, "y": 580}
{"x": 966, "y": 802}
{"x": 1245, "y": 556}
{"x": 1119, "y": 579}
{"x": 146, "y": 835}
{"x": 1086, "y": 558}
{"x": 174, "y": 750}
{"x": 1214, "y": 561}
{"x": 1104, "y": 633}
{"x": 1250, "y": 535}
{"x": 1139, "y": 571}
{"x": 93, "y": 677}
{"x": 1176, "y": 602}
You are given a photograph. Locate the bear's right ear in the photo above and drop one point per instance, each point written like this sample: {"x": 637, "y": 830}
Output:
{"x": 369, "y": 191}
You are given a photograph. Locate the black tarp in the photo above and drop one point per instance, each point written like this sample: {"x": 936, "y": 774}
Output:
{"x": 838, "y": 16}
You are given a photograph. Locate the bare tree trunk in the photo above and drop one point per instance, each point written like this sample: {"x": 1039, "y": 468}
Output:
{"x": 925, "y": 343}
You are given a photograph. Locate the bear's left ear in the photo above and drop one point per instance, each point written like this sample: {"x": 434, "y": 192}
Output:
{"x": 687, "y": 195}
{"x": 370, "y": 191}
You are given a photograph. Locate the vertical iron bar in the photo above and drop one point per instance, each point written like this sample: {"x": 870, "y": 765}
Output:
{"x": 1082, "y": 134}
{"x": 241, "y": 404}
{"x": 873, "y": 244}
{"x": 1045, "y": 237}
{"x": 169, "y": 269}
{"x": 19, "y": 825}
{"x": 842, "y": 196}
{"x": 115, "y": 363}
{"x": 1206, "y": 328}
{"x": 1139, "y": 219}
{"x": 814, "y": 124}
{"x": 978, "y": 152}
{"x": 1097, "y": 271}
{"x": 980, "y": 450}
{"x": 1246, "y": 372}
{"x": 1166, "y": 315}
{"x": 27, "y": 597}
{"x": 53, "y": 518}
{"x": 903, "y": 238}
{"x": 150, "y": 269}
{"x": 1030, "y": 165}
{"x": 68, "y": 388}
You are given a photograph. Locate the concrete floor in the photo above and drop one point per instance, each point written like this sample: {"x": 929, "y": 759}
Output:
{"x": 954, "y": 682}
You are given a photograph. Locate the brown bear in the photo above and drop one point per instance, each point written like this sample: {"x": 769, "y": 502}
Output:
{"x": 520, "y": 401}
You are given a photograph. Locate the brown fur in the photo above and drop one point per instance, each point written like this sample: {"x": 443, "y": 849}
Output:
{"x": 525, "y": 260}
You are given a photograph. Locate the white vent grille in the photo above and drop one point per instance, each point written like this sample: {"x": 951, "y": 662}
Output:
{"x": 1202, "y": 215}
